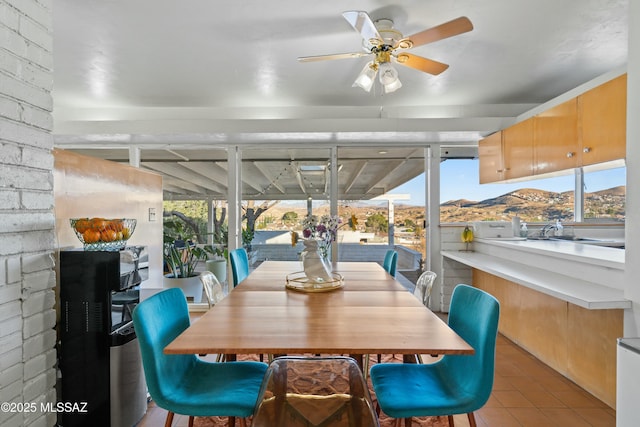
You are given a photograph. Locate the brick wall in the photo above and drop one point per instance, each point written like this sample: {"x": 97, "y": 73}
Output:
{"x": 27, "y": 238}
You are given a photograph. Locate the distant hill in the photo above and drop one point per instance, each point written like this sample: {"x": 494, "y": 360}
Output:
{"x": 531, "y": 204}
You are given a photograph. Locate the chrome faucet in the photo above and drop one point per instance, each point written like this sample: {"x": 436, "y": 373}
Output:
{"x": 546, "y": 229}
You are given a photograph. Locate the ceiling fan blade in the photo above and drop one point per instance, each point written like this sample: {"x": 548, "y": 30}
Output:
{"x": 362, "y": 23}
{"x": 422, "y": 64}
{"x": 333, "y": 56}
{"x": 442, "y": 31}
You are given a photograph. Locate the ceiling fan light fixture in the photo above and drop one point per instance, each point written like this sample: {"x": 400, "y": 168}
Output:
{"x": 389, "y": 78}
{"x": 367, "y": 76}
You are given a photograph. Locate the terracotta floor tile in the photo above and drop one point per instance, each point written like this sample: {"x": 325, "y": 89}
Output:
{"x": 512, "y": 399}
{"x": 497, "y": 417}
{"x": 503, "y": 383}
{"x": 598, "y": 417}
{"x": 564, "y": 417}
{"x": 525, "y": 383}
{"x": 557, "y": 384}
{"x": 578, "y": 399}
{"x": 531, "y": 417}
{"x": 542, "y": 399}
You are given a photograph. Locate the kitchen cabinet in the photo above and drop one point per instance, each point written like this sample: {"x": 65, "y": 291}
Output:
{"x": 556, "y": 145}
{"x": 517, "y": 150}
{"x": 582, "y": 131}
{"x": 490, "y": 155}
{"x": 602, "y": 113}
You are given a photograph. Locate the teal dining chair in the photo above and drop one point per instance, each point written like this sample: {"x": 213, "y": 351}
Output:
{"x": 239, "y": 265}
{"x": 456, "y": 384}
{"x": 184, "y": 383}
{"x": 390, "y": 262}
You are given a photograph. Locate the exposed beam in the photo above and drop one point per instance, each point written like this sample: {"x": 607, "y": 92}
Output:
{"x": 267, "y": 175}
{"x": 355, "y": 174}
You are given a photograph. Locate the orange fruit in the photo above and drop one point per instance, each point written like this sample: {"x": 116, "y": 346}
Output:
{"x": 108, "y": 235}
{"x": 91, "y": 236}
{"x": 98, "y": 223}
{"x": 82, "y": 225}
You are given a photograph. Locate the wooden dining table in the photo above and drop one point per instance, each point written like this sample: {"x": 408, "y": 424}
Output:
{"x": 371, "y": 313}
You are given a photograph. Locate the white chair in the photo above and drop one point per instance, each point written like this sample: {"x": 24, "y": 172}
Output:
{"x": 215, "y": 294}
{"x": 423, "y": 287}
{"x": 212, "y": 288}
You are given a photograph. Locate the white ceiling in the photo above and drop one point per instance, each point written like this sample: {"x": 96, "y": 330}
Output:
{"x": 164, "y": 74}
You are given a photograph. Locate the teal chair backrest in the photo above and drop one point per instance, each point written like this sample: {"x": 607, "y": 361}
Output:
{"x": 157, "y": 321}
{"x": 474, "y": 314}
{"x": 239, "y": 265}
{"x": 390, "y": 262}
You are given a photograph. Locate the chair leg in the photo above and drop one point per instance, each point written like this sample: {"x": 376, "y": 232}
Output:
{"x": 398, "y": 422}
{"x": 472, "y": 419}
{"x": 232, "y": 421}
{"x": 190, "y": 420}
{"x": 407, "y": 422}
{"x": 169, "y": 420}
{"x": 243, "y": 422}
{"x": 450, "y": 419}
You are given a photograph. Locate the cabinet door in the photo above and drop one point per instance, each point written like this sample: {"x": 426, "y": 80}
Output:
{"x": 556, "y": 138}
{"x": 517, "y": 150}
{"x": 603, "y": 119}
{"x": 490, "y": 155}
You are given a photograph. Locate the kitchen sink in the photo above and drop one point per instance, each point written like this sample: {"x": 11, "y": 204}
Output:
{"x": 572, "y": 238}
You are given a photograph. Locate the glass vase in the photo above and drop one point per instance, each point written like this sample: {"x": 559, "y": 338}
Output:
{"x": 316, "y": 267}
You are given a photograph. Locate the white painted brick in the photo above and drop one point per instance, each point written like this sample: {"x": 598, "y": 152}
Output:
{"x": 37, "y": 117}
{"x": 10, "y": 292}
{"x": 37, "y": 365}
{"x": 38, "y": 302}
{"x": 35, "y": 10}
{"x": 11, "y": 342}
{"x": 35, "y": 32}
{"x": 23, "y": 178}
{"x": 9, "y": 63}
{"x": 9, "y": 358}
{"x": 37, "y": 282}
{"x": 37, "y": 241}
{"x": 9, "y": 419}
{"x": 10, "y": 309}
{"x": 10, "y": 109}
{"x": 9, "y": 200}
{"x": 35, "y": 137}
{"x": 39, "y": 385}
{"x": 37, "y": 158}
{"x": 9, "y": 16}
{"x": 23, "y": 91}
{"x": 37, "y": 262}
{"x": 10, "y": 153}
{"x": 14, "y": 270}
{"x": 35, "y": 200}
{"x": 11, "y": 374}
{"x": 11, "y": 325}
{"x": 39, "y": 344}
{"x": 35, "y": 75}
{"x": 27, "y": 221}
{"x": 39, "y": 323}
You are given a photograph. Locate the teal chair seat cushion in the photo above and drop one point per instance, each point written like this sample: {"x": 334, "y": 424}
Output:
{"x": 426, "y": 391}
{"x": 215, "y": 389}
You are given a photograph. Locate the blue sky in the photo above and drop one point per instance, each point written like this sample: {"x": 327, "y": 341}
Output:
{"x": 459, "y": 180}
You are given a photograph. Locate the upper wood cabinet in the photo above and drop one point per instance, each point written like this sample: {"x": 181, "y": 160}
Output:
{"x": 517, "y": 150}
{"x": 490, "y": 155}
{"x": 602, "y": 113}
{"x": 585, "y": 130}
{"x": 556, "y": 144}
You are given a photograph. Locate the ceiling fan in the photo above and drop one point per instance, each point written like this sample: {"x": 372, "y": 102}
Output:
{"x": 386, "y": 44}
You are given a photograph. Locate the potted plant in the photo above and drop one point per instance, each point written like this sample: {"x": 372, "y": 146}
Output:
{"x": 217, "y": 261}
{"x": 181, "y": 260}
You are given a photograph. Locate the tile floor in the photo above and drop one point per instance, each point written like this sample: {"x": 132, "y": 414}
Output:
{"x": 525, "y": 393}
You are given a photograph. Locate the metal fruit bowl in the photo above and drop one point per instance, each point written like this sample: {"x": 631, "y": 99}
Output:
{"x": 102, "y": 234}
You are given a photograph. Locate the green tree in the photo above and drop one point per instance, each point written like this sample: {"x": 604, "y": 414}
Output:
{"x": 290, "y": 217}
{"x": 377, "y": 223}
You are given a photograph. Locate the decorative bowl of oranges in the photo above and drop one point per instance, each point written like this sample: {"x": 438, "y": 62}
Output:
{"x": 101, "y": 234}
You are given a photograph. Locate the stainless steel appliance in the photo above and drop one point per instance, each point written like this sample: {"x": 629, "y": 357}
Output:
{"x": 99, "y": 358}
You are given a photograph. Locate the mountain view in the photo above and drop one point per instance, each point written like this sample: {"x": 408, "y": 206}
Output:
{"x": 531, "y": 205}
